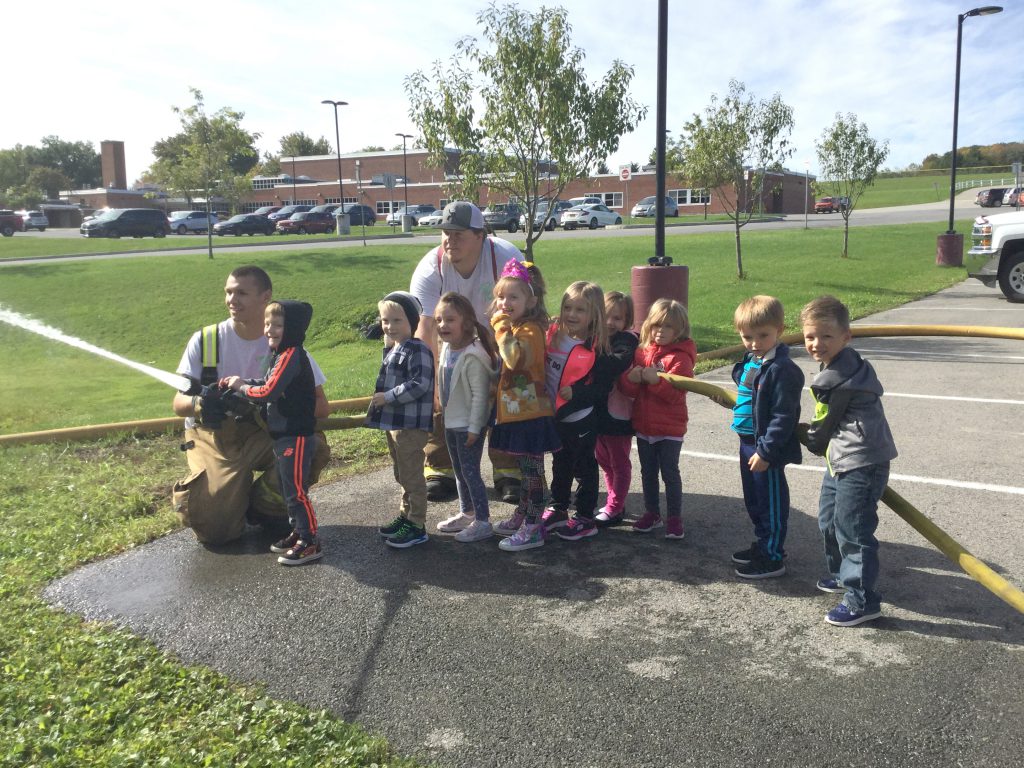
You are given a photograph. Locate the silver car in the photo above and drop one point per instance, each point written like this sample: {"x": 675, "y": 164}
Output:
{"x": 35, "y": 220}
{"x": 184, "y": 222}
{"x": 649, "y": 207}
{"x": 547, "y": 215}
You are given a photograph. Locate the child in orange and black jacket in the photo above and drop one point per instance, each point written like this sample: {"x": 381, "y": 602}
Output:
{"x": 659, "y": 411}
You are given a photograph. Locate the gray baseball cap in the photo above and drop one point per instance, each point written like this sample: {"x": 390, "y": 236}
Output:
{"x": 460, "y": 216}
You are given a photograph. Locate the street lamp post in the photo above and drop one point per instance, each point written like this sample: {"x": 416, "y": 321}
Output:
{"x": 337, "y": 144}
{"x": 950, "y": 246}
{"x": 405, "y": 176}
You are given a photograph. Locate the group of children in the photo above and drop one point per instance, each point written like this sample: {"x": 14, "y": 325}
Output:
{"x": 580, "y": 385}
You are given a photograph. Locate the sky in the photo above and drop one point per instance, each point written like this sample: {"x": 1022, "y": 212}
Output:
{"x": 89, "y": 75}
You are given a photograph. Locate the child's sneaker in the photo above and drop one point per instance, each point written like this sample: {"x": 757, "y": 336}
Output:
{"x": 605, "y": 519}
{"x": 455, "y": 524}
{"x": 389, "y": 530}
{"x": 577, "y": 528}
{"x": 830, "y": 585}
{"x": 674, "y": 528}
{"x": 475, "y": 531}
{"x": 554, "y": 517}
{"x": 843, "y": 616}
{"x": 761, "y": 568}
{"x": 510, "y": 526}
{"x": 302, "y": 552}
{"x": 282, "y": 546}
{"x": 407, "y": 536}
{"x": 744, "y": 556}
{"x": 527, "y": 537}
{"x": 647, "y": 522}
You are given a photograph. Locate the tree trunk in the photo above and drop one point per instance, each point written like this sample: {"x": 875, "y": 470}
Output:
{"x": 739, "y": 251}
{"x": 846, "y": 236}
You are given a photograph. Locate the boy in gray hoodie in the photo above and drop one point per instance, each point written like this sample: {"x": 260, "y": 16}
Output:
{"x": 850, "y": 430}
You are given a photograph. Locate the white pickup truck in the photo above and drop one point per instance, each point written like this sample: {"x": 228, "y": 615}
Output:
{"x": 1001, "y": 238}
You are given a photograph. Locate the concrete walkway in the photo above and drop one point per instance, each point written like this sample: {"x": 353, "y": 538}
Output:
{"x": 630, "y": 649}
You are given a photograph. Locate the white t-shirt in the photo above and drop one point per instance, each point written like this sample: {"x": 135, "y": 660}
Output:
{"x": 428, "y": 284}
{"x": 238, "y": 357}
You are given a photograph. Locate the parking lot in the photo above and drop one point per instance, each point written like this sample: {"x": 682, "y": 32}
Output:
{"x": 631, "y": 650}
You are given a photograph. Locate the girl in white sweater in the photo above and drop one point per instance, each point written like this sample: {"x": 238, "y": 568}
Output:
{"x": 466, "y": 375}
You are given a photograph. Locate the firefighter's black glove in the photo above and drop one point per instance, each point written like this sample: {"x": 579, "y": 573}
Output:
{"x": 212, "y": 409}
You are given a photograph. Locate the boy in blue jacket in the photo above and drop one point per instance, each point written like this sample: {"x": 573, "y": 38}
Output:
{"x": 767, "y": 410}
{"x": 288, "y": 395}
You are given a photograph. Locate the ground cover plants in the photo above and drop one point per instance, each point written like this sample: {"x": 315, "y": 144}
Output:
{"x": 75, "y": 693}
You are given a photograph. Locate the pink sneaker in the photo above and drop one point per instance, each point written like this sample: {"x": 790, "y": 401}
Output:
{"x": 647, "y": 522}
{"x": 554, "y": 517}
{"x": 674, "y": 528}
{"x": 510, "y": 526}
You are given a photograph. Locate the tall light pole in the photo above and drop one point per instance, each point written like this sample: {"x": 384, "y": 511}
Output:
{"x": 405, "y": 176}
{"x": 337, "y": 144}
{"x": 984, "y": 10}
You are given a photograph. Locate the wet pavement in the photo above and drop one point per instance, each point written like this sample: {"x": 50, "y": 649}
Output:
{"x": 633, "y": 650}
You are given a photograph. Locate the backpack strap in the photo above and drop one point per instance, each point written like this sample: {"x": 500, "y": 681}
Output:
{"x": 208, "y": 343}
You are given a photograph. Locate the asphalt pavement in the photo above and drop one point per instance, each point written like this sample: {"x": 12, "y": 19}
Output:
{"x": 634, "y": 650}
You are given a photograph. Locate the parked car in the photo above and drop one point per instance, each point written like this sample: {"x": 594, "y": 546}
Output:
{"x": 286, "y": 211}
{"x": 588, "y": 200}
{"x": 183, "y": 222}
{"x": 132, "y": 222}
{"x": 328, "y": 208}
{"x": 990, "y": 198}
{"x": 10, "y": 222}
{"x": 360, "y": 214}
{"x": 590, "y": 215}
{"x": 266, "y": 210}
{"x": 648, "y": 206}
{"x": 502, "y": 216}
{"x": 35, "y": 220}
{"x": 416, "y": 211}
{"x": 244, "y": 224}
{"x": 432, "y": 219}
{"x": 1011, "y": 196}
{"x": 306, "y": 223}
{"x": 547, "y": 215}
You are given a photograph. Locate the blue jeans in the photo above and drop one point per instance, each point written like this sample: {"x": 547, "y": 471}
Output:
{"x": 848, "y": 518}
{"x": 466, "y": 464}
{"x": 661, "y": 458}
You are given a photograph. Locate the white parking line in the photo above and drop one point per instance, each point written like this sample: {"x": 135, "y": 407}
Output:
{"x": 951, "y": 308}
{"x": 990, "y": 400}
{"x": 966, "y": 484}
{"x": 938, "y": 354}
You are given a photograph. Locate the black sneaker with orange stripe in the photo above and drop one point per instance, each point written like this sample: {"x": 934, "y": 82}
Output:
{"x": 302, "y": 552}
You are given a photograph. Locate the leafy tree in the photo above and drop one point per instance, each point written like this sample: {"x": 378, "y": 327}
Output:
{"x": 209, "y": 154}
{"x": 602, "y": 168}
{"x": 730, "y": 148}
{"x": 298, "y": 144}
{"x": 77, "y": 161}
{"x": 849, "y": 160}
{"x": 539, "y": 112}
{"x": 634, "y": 167}
{"x": 372, "y": 148}
{"x": 29, "y": 175}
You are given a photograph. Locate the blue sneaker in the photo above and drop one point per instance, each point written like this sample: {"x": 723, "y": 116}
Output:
{"x": 830, "y": 585}
{"x": 577, "y": 528}
{"x": 842, "y": 616}
{"x": 408, "y": 535}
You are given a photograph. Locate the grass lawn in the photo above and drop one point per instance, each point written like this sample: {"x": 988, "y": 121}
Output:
{"x": 74, "y": 693}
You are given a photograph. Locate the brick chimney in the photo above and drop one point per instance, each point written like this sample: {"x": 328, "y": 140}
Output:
{"x": 112, "y": 165}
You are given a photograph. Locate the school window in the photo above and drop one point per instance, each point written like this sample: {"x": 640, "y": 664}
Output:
{"x": 384, "y": 207}
{"x": 442, "y": 204}
{"x": 612, "y": 199}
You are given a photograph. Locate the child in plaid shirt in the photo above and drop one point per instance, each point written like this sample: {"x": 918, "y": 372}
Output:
{"x": 403, "y": 406}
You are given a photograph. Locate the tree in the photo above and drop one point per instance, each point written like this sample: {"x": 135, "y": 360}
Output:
{"x": 849, "y": 160}
{"x": 634, "y": 167}
{"x": 541, "y": 124}
{"x": 372, "y": 148}
{"x": 77, "y": 161}
{"x": 298, "y": 144}
{"x": 730, "y": 148}
{"x": 602, "y": 168}
{"x": 209, "y": 154}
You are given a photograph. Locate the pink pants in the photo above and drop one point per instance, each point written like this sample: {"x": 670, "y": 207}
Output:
{"x": 613, "y": 457}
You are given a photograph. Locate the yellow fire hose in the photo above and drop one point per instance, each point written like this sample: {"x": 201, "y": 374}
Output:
{"x": 945, "y": 543}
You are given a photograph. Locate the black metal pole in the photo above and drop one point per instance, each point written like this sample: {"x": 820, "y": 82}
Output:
{"x": 659, "y": 222}
{"x": 956, "y": 114}
{"x": 337, "y": 144}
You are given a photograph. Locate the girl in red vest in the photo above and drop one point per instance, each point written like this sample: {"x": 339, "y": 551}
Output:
{"x": 659, "y": 410}
{"x": 579, "y": 379}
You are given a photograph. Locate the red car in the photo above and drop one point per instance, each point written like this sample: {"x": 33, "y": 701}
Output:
{"x": 306, "y": 223}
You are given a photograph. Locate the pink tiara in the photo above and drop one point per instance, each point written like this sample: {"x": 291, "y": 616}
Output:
{"x": 515, "y": 269}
